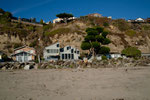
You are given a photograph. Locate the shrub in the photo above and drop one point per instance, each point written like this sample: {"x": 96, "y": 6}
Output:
{"x": 105, "y": 24}
{"x": 146, "y": 27}
{"x": 57, "y": 31}
{"x": 104, "y": 50}
{"x": 121, "y": 24}
{"x": 34, "y": 43}
{"x": 16, "y": 45}
{"x": 130, "y": 33}
{"x": 47, "y": 27}
{"x": 131, "y": 52}
{"x": 104, "y": 57}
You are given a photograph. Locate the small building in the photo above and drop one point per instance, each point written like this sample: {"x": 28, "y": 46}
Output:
{"x": 52, "y": 52}
{"x": 69, "y": 53}
{"x": 24, "y": 54}
{"x": 94, "y": 15}
{"x": 57, "y": 20}
{"x": 115, "y": 55}
{"x": 147, "y": 55}
{"x": 139, "y": 20}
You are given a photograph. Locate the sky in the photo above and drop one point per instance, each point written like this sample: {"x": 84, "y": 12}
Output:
{"x": 47, "y": 9}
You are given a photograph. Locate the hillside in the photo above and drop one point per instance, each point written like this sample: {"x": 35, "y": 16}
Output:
{"x": 122, "y": 34}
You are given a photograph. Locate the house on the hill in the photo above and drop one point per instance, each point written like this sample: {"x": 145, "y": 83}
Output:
{"x": 52, "y": 52}
{"x": 94, "y": 15}
{"x": 24, "y": 54}
{"x": 139, "y": 20}
{"x": 59, "y": 20}
{"x": 69, "y": 53}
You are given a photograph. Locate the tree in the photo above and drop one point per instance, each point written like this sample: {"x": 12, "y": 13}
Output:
{"x": 131, "y": 52}
{"x": 64, "y": 16}
{"x": 2, "y": 11}
{"x": 41, "y": 21}
{"x": 95, "y": 38}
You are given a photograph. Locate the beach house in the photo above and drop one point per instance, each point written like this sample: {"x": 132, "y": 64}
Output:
{"x": 24, "y": 54}
{"x": 52, "y": 52}
{"x": 69, "y": 53}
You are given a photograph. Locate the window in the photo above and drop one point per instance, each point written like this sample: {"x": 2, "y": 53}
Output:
{"x": 62, "y": 50}
{"x": 78, "y": 52}
{"x": 71, "y": 50}
{"x": 69, "y": 56}
{"x": 72, "y": 56}
{"x": 48, "y": 51}
{"x": 74, "y": 51}
{"x": 65, "y": 56}
{"x": 67, "y": 48}
{"x": 57, "y": 45}
{"x": 62, "y": 56}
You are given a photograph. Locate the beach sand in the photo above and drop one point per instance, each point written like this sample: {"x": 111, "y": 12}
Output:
{"x": 76, "y": 84}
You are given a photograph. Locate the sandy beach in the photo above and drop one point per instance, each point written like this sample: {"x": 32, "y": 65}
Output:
{"x": 76, "y": 84}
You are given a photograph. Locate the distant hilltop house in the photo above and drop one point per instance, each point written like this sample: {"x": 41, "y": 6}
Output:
{"x": 24, "y": 54}
{"x": 54, "y": 52}
{"x": 58, "y": 20}
{"x": 138, "y": 20}
{"x": 94, "y": 15}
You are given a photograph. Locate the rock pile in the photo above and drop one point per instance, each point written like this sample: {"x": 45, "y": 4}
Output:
{"x": 112, "y": 63}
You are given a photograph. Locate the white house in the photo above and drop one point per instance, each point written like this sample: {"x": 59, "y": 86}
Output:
{"x": 52, "y": 52}
{"x": 147, "y": 55}
{"x": 69, "y": 53}
{"x": 115, "y": 55}
{"x": 140, "y": 20}
{"x": 57, "y": 20}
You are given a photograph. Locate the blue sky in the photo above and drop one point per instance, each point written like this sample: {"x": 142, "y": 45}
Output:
{"x": 47, "y": 9}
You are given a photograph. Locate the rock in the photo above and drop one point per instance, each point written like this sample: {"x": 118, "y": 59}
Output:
{"x": 27, "y": 67}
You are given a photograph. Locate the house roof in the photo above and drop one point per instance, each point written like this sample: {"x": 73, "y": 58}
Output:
{"x": 23, "y": 47}
{"x": 22, "y": 52}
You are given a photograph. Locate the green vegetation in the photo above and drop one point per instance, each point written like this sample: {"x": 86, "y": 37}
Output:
{"x": 58, "y": 31}
{"x": 104, "y": 57}
{"x": 130, "y": 33}
{"x": 95, "y": 38}
{"x": 34, "y": 43}
{"x": 41, "y": 21}
{"x": 131, "y": 52}
{"x": 16, "y": 45}
{"x": 121, "y": 24}
{"x": 146, "y": 27}
{"x": 47, "y": 27}
{"x": 5, "y": 17}
{"x": 64, "y": 16}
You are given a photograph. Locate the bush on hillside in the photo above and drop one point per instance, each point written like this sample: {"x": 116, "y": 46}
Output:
{"x": 130, "y": 33}
{"x": 131, "y": 52}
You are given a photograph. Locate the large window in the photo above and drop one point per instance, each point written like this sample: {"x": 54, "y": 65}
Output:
{"x": 72, "y": 56}
{"x": 62, "y": 56}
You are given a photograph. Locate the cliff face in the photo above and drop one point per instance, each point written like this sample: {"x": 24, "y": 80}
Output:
{"x": 137, "y": 35}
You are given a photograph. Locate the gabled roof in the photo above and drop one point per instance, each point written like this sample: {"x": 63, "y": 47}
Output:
{"x": 23, "y": 47}
{"x": 52, "y": 44}
{"x": 22, "y": 52}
